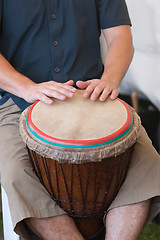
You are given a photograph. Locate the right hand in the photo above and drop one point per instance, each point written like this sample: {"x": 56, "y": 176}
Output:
{"x": 47, "y": 90}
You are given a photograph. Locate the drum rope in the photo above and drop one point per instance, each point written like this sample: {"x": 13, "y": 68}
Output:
{"x": 99, "y": 185}
{"x": 72, "y": 210}
{"x": 33, "y": 159}
{"x": 44, "y": 160}
{"x": 108, "y": 185}
{"x": 77, "y": 203}
{"x": 118, "y": 174}
{"x": 69, "y": 199}
{"x": 95, "y": 184}
{"x": 122, "y": 172}
{"x": 57, "y": 181}
{"x": 87, "y": 184}
{"x": 80, "y": 181}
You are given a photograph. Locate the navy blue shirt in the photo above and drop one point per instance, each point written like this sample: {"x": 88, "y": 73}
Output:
{"x": 56, "y": 39}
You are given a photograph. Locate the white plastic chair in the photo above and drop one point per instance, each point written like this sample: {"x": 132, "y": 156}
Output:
{"x": 9, "y": 234}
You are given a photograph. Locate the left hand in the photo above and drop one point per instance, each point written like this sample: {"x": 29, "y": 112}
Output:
{"x": 99, "y": 88}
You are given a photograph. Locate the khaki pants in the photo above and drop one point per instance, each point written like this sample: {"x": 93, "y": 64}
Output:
{"x": 28, "y": 198}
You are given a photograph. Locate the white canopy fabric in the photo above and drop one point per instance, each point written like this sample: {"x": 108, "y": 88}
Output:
{"x": 143, "y": 75}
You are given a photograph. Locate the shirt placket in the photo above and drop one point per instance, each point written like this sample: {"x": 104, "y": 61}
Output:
{"x": 55, "y": 43}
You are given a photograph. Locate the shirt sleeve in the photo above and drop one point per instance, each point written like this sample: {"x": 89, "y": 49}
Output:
{"x": 112, "y": 13}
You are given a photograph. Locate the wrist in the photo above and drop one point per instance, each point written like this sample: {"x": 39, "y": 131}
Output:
{"x": 24, "y": 86}
{"x": 111, "y": 78}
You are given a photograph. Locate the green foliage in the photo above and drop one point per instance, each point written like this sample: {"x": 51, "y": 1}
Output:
{"x": 1, "y": 225}
{"x": 1, "y": 222}
{"x": 150, "y": 232}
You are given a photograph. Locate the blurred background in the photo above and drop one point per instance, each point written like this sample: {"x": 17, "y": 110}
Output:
{"x": 141, "y": 85}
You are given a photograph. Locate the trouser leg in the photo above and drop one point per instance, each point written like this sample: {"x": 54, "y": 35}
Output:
{"x": 26, "y": 195}
{"x": 143, "y": 178}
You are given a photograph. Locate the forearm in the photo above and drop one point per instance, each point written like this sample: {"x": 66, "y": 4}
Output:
{"x": 11, "y": 80}
{"x": 118, "y": 57}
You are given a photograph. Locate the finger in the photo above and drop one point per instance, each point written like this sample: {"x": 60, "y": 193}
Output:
{"x": 69, "y": 87}
{"x": 42, "y": 97}
{"x": 82, "y": 85}
{"x": 57, "y": 92}
{"x": 70, "y": 83}
{"x": 105, "y": 94}
{"x": 90, "y": 88}
{"x": 114, "y": 94}
{"x": 97, "y": 91}
{"x": 63, "y": 85}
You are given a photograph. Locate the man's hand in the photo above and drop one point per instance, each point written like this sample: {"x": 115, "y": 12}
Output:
{"x": 47, "y": 90}
{"x": 99, "y": 88}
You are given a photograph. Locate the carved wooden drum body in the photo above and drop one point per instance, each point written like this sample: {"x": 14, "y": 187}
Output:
{"x": 81, "y": 150}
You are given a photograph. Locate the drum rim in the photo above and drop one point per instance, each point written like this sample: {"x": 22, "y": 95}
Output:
{"x": 117, "y": 135}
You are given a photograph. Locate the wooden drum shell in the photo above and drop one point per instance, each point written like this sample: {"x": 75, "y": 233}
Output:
{"x": 85, "y": 190}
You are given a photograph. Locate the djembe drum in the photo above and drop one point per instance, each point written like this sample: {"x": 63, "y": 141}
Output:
{"x": 81, "y": 150}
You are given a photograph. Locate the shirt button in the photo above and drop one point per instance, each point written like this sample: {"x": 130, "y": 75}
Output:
{"x": 53, "y": 16}
{"x": 55, "y": 43}
{"x": 57, "y": 70}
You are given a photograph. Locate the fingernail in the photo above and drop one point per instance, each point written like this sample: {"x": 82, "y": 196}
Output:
{"x": 85, "y": 96}
{"x": 63, "y": 97}
{"x": 93, "y": 97}
{"x": 49, "y": 102}
{"x": 70, "y": 94}
{"x": 74, "y": 90}
{"x": 102, "y": 99}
